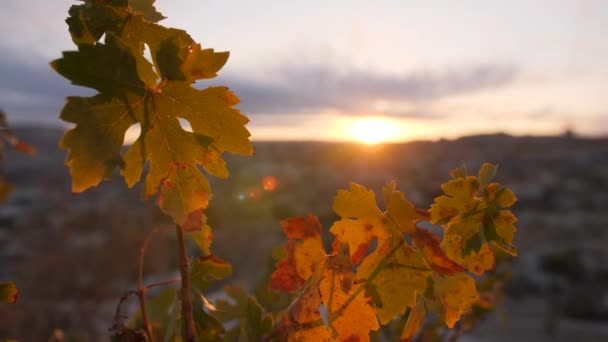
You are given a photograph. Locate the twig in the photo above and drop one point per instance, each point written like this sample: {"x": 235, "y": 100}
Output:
{"x": 162, "y": 283}
{"x": 141, "y": 289}
{"x": 123, "y": 298}
{"x": 189, "y": 333}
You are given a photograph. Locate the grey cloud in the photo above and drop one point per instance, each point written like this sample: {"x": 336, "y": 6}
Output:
{"x": 312, "y": 89}
{"x": 34, "y": 92}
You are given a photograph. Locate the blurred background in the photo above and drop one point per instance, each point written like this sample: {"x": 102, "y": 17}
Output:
{"x": 340, "y": 91}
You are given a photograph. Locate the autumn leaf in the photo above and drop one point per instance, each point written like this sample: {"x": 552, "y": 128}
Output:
{"x": 472, "y": 212}
{"x": 206, "y": 270}
{"x": 399, "y": 209}
{"x": 414, "y": 321}
{"x": 403, "y": 274}
{"x": 8, "y": 292}
{"x": 197, "y": 228}
{"x": 358, "y": 234}
{"x": 304, "y": 321}
{"x": 304, "y": 251}
{"x": 429, "y": 244}
{"x": 350, "y": 317}
{"x": 132, "y": 91}
{"x": 253, "y": 323}
{"x": 456, "y": 293}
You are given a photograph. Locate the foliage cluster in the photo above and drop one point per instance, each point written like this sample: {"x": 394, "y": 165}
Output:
{"x": 382, "y": 265}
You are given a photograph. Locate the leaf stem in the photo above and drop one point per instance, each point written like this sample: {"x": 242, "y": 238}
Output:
{"x": 189, "y": 333}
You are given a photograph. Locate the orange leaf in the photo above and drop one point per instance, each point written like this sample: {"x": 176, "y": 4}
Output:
{"x": 304, "y": 252}
{"x": 429, "y": 244}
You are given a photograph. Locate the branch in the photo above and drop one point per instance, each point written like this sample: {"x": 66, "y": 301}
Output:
{"x": 141, "y": 289}
{"x": 189, "y": 333}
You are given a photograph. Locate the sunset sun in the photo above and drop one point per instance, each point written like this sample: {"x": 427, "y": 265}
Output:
{"x": 373, "y": 130}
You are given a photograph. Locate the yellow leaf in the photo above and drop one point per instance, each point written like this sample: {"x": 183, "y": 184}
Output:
{"x": 429, "y": 244}
{"x": 358, "y": 234}
{"x": 477, "y": 262}
{"x": 457, "y": 293}
{"x": 397, "y": 285}
{"x": 414, "y": 321}
{"x": 304, "y": 253}
{"x": 350, "y": 317}
{"x": 399, "y": 208}
{"x": 505, "y": 225}
{"x": 358, "y": 202}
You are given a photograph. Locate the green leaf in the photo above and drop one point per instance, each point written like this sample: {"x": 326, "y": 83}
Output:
{"x": 206, "y": 270}
{"x": 208, "y": 328}
{"x": 253, "y": 323}
{"x": 459, "y": 172}
{"x": 487, "y": 172}
{"x": 472, "y": 245}
{"x": 8, "y": 292}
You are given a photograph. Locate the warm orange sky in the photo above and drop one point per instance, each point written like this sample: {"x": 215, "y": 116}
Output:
{"x": 317, "y": 70}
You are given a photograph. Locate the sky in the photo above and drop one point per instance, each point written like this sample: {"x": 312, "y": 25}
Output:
{"x": 357, "y": 70}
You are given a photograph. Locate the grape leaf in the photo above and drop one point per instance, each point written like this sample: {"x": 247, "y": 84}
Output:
{"x": 303, "y": 321}
{"x": 147, "y": 9}
{"x": 5, "y": 189}
{"x": 414, "y": 321}
{"x": 304, "y": 253}
{"x": 8, "y": 292}
{"x": 173, "y": 153}
{"x": 472, "y": 216}
{"x": 403, "y": 276}
{"x": 358, "y": 234}
{"x": 358, "y": 202}
{"x": 456, "y": 293}
{"x": 7, "y": 136}
{"x": 399, "y": 209}
{"x": 253, "y": 323}
{"x": 429, "y": 244}
{"x": 197, "y": 228}
{"x": 360, "y": 286}
{"x": 206, "y": 270}
{"x": 350, "y": 317}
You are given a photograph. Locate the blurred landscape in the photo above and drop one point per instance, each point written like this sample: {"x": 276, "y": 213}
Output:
{"x": 73, "y": 256}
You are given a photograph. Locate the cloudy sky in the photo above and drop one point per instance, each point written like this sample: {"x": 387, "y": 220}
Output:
{"x": 325, "y": 70}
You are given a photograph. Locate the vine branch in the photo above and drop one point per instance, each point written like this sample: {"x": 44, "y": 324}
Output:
{"x": 189, "y": 333}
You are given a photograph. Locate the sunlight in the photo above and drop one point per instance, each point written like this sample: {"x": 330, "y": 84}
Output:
{"x": 373, "y": 130}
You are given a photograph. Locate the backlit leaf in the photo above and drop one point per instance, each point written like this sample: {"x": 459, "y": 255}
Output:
{"x": 429, "y": 244}
{"x": 414, "y": 321}
{"x": 457, "y": 293}
{"x": 350, "y": 317}
{"x": 304, "y": 253}
{"x": 126, "y": 96}
{"x": 8, "y": 292}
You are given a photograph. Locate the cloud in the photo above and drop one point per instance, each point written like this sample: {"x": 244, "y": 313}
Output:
{"x": 314, "y": 89}
{"x": 32, "y": 91}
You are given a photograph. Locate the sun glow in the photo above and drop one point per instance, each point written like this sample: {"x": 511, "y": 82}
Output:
{"x": 373, "y": 130}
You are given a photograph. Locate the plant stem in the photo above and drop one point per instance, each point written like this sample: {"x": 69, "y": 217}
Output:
{"x": 141, "y": 294}
{"x": 189, "y": 333}
{"x": 162, "y": 283}
{"x": 141, "y": 289}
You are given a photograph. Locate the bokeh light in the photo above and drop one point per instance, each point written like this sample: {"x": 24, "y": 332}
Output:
{"x": 269, "y": 183}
